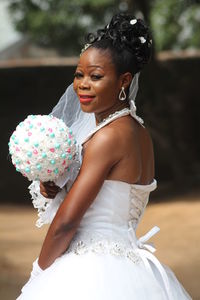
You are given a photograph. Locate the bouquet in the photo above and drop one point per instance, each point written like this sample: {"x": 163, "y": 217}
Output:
{"x": 42, "y": 148}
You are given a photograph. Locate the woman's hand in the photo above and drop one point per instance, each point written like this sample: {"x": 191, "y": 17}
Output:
{"x": 49, "y": 189}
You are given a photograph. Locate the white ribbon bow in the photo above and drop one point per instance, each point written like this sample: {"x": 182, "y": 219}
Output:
{"x": 145, "y": 250}
{"x": 141, "y": 242}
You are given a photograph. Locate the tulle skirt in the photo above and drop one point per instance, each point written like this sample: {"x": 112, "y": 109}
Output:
{"x": 92, "y": 276}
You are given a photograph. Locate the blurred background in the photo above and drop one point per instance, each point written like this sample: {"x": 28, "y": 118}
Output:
{"x": 40, "y": 42}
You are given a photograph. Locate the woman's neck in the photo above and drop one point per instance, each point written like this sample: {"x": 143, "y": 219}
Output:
{"x": 117, "y": 107}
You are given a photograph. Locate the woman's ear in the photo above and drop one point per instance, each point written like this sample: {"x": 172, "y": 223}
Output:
{"x": 126, "y": 79}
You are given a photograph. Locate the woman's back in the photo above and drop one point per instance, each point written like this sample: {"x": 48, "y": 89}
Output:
{"x": 133, "y": 151}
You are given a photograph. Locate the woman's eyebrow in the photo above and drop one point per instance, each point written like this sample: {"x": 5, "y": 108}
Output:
{"x": 95, "y": 66}
{"x": 91, "y": 66}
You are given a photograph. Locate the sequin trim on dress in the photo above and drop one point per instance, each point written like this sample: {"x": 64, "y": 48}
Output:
{"x": 104, "y": 247}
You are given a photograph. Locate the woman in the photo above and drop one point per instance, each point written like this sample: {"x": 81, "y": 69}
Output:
{"x": 91, "y": 250}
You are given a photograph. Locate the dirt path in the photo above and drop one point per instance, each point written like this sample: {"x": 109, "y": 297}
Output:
{"x": 178, "y": 243}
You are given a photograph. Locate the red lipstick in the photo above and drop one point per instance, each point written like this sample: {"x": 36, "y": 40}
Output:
{"x": 85, "y": 98}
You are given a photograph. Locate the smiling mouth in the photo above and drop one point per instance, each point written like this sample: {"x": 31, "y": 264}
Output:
{"x": 86, "y": 98}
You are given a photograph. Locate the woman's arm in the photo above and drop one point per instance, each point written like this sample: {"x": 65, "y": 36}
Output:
{"x": 101, "y": 154}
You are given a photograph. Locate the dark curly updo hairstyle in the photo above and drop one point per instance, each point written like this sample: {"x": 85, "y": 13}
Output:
{"x": 129, "y": 41}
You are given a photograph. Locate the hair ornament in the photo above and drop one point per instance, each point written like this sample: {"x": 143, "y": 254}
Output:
{"x": 133, "y": 21}
{"x": 85, "y": 47}
{"x": 142, "y": 39}
{"x": 128, "y": 38}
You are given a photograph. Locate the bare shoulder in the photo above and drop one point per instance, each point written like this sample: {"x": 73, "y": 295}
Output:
{"x": 124, "y": 148}
{"x": 116, "y": 137}
{"x": 145, "y": 138}
{"x": 120, "y": 133}
{"x": 126, "y": 132}
{"x": 104, "y": 139}
{"x": 132, "y": 130}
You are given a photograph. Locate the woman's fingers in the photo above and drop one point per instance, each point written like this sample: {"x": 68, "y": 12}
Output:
{"x": 43, "y": 190}
{"x": 51, "y": 186}
{"x": 49, "y": 189}
{"x": 49, "y": 195}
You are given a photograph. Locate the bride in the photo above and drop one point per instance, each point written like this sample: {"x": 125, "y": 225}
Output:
{"x": 91, "y": 251}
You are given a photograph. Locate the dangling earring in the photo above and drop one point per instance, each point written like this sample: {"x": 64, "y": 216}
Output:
{"x": 122, "y": 95}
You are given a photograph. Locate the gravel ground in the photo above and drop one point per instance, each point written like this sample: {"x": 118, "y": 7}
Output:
{"x": 178, "y": 243}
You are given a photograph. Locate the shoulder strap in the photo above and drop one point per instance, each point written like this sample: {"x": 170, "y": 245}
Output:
{"x": 109, "y": 119}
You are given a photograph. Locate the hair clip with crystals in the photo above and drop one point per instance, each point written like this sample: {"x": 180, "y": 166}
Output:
{"x": 85, "y": 47}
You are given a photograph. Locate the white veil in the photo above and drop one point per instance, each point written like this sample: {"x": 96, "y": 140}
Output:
{"x": 69, "y": 110}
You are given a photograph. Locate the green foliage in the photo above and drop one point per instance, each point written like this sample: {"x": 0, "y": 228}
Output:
{"x": 175, "y": 24}
{"x": 61, "y": 24}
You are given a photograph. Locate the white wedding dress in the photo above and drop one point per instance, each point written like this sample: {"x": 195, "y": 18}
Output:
{"x": 105, "y": 260}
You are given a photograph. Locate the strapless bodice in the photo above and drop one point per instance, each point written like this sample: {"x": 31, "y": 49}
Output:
{"x": 117, "y": 204}
{"x": 117, "y": 208}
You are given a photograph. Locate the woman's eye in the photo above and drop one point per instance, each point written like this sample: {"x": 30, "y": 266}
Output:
{"x": 78, "y": 75}
{"x": 96, "y": 76}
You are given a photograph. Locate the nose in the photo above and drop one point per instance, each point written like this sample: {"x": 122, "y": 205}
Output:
{"x": 84, "y": 84}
